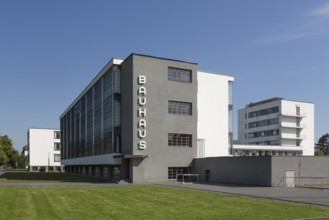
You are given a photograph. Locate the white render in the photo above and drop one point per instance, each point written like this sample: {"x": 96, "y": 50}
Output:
{"x": 213, "y": 120}
{"x": 296, "y": 129}
{"x": 41, "y": 143}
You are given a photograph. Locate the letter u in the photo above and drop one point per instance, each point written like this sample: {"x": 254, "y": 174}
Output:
{"x": 142, "y": 133}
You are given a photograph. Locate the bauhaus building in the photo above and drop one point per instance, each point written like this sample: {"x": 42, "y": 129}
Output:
{"x": 145, "y": 118}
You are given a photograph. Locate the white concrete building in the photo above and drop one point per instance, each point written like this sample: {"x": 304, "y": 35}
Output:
{"x": 215, "y": 112}
{"x": 276, "y": 126}
{"x": 44, "y": 149}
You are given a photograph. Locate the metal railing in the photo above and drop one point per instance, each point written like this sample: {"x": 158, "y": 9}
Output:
{"x": 293, "y": 114}
{"x": 292, "y": 136}
{"x": 292, "y": 125}
{"x": 187, "y": 178}
{"x": 307, "y": 182}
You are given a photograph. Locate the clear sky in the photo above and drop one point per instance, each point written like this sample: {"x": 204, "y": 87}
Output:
{"x": 50, "y": 50}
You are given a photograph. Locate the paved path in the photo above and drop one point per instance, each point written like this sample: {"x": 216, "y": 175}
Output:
{"x": 298, "y": 195}
{"x": 54, "y": 183}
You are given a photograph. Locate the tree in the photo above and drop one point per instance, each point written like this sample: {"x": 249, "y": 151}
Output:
{"x": 22, "y": 161}
{"x": 3, "y": 157}
{"x": 323, "y": 144}
{"x": 318, "y": 152}
{"x": 8, "y": 155}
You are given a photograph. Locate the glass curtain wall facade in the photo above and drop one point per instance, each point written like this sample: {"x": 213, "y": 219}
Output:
{"x": 230, "y": 117}
{"x": 92, "y": 126}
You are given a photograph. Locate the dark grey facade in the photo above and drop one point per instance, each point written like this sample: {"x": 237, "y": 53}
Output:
{"x": 264, "y": 171}
{"x": 121, "y": 125}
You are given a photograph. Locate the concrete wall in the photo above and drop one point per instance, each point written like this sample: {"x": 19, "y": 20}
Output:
{"x": 213, "y": 120}
{"x": 306, "y": 167}
{"x": 41, "y": 147}
{"x": 236, "y": 170}
{"x": 263, "y": 171}
{"x": 159, "y": 122}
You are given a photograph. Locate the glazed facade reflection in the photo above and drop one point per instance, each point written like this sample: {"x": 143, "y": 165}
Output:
{"x": 92, "y": 126}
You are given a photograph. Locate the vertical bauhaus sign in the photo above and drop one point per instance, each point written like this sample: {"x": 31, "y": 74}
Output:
{"x": 141, "y": 111}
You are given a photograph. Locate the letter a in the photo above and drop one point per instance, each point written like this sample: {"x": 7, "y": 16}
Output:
{"x": 142, "y": 90}
{"x": 142, "y": 123}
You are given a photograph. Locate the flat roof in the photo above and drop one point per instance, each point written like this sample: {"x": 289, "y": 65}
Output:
{"x": 46, "y": 128}
{"x": 252, "y": 104}
{"x": 112, "y": 62}
{"x": 215, "y": 73}
{"x": 161, "y": 58}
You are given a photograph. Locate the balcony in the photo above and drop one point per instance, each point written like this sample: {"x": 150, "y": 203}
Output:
{"x": 293, "y": 137}
{"x": 292, "y": 125}
{"x": 293, "y": 114}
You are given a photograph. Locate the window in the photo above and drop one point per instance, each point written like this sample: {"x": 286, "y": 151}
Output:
{"x": 179, "y": 75}
{"x": 180, "y": 108}
{"x": 57, "y": 157}
{"x": 184, "y": 140}
{"x": 266, "y": 133}
{"x": 266, "y": 122}
{"x": 263, "y": 112}
{"x": 57, "y": 146}
{"x": 173, "y": 171}
{"x": 230, "y": 93}
{"x": 57, "y": 134}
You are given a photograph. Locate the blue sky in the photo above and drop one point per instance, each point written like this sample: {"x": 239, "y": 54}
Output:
{"x": 50, "y": 50}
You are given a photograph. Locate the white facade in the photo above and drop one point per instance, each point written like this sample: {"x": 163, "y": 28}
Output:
{"x": 214, "y": 114}
{"x": 44, "y": 149}
{"x": 286, "y": 125}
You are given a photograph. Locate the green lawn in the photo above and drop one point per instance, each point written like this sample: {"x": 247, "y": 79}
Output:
{"x": 140, "y": 202}
{"x": 37, "y": 176}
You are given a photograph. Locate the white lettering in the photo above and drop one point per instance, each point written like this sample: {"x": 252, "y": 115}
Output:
{"x": 142, "y": 90}
{"x": 141, "y": 80}
{"x": 141, "y": 133}
{"x": 141, "y": 112}
{"x": 142, "y": 123}
{"x": 142, "y": 145}
{"x": 141, "y": 100}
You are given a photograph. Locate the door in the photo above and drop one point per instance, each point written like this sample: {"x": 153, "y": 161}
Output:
{"x": 127, "y": 169}
{"x": 290, "y": 178}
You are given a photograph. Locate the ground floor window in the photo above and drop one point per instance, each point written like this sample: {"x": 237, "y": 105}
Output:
{"x": 173, "y": 171}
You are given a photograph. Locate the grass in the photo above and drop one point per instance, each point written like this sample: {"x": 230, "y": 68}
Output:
{"x": 141, "y": 202}
{"x": 37, "y": 176}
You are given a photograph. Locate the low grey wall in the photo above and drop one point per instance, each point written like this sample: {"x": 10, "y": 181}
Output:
{"x": 237, "y": 170}
{"x": 308, "y": 169}
{"x": 262, "y": 171}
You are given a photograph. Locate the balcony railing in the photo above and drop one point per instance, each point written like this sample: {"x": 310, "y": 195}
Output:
{"x": 292, "y": 125}
{"x": 293, "y": 114}
{"x": 293, "y": 137}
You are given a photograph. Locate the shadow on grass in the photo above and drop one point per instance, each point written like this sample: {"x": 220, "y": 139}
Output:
{"x": 57, "y": 177}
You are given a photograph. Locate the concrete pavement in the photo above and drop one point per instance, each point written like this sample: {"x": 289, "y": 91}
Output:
{"x": 298, "y": 195}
